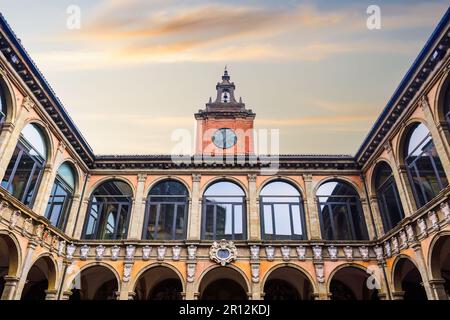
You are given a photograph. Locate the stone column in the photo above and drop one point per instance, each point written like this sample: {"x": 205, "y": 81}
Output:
{"x": 41, "y": 200}
{"x": 51, "y": 294}
{"x": 78, "y": 222}
{"x": 66, "y": 295}
{"x": 138, "y": 211}
{"x": 422, "y": 267}
{"x": 72, "y": 214}
{"x": 26, "y": 265}
{"x": 402, "y": 183}
{"x": 194, "y": 226}
{"x": 10, "y": 287}
{"x": 437, "y": 286}
{"x": 367, "y": 218}
{"x": 377, "y": 215}
{"x": 440, "y": 144}
{"x": 311, "y": 212}
{"x": 254, "y": 221}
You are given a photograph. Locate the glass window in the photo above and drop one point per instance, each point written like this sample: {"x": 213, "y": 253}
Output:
{"x": 391, "y": 209}
{"x": 224, "y": 212}
{"x": 425, "y": 171}
{"x": 109, "y": 211}
{"x": 24, "y": 171}
{"x": 340, "y": 212}
{"x": 61, "y": 196}
{"x": 282, "y": 212}
{"x": 166, "y": 211}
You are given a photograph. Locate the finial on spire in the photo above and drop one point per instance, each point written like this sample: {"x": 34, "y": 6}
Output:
{"x": 225, "y": 73}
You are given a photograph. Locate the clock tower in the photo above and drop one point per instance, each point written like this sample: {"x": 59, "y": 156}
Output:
{"x": 225, "y": 126}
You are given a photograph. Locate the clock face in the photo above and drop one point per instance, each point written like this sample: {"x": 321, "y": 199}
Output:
{"x": 224, "y": 138}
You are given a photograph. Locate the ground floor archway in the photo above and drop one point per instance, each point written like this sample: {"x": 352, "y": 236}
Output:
{"x": 408, "y": 283}
{"x": 440, "y": 267}
{"x": 159, "y": 283}
{"x": 287, "y": 283}
{"x": 350, "y": 283}
{"x": 95, "y": 283}
{"x": 41, "y": 280}
{"x": 9, "y": 262}
{"x": 223, "y": 283}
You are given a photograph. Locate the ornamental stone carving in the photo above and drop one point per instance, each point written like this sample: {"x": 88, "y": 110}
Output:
{"x": 254, "y": 253}
{"x": 192, "y": 252}
{"x": 319, "y": 272}
{"x": 445, "y": 210}
{"x": 61, "y": 246}
{"x": 190, "y": 270}
{"x": 27, "y": 224}
{"x": 115, "y": 252}
{"x": 146, "y": 251}
{"x": 70, "y": 250}
{"x": 333, "y": 252}
{"x": 317, "y": 251}
{"x": 161, "y": 251}
{"x": 127, "y": 267}
{"x": 270, "y": 253}
{"x": 39, "y": 230}
{"x": 99, "y": 252}
{"x": 84, "y": 250}
{"x": 129, "y": 252}
{"x": 255, "y": 272}
{"x": 28, "y": 103}
{"x": 364, "y": 252}
{"x": 301, "y": 252}
{"x": 410, "y": 233}
{"x": 176, "y": 251}
{"x": 223, "y": 252}
{"x": 286, "y": 253}
{"x": 395, "y": 248}
{"x": 422, "y": 226}
{"x": 403, "y": 240}
{"x": 348, "y": 252}
{"x": 432, "y": 216}
{"x": 387, "y": 249}
{"x": 378, "y": 252}
{"x": 13, "y": 219}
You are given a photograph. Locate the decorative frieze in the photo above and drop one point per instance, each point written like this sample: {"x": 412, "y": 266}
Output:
{"x": 254, "y": 253}
{"x": 432, "y": 216}
{"x": 61, "y": 246}
{"x": 84, "y": 250}
{"x": 270, "y": 253}
{"x": 176, "y": 251}
{"x": 161, "y": 253}
{"x": 320, "y": 274}
{"x": 348, "y": 252}
{"x": 286, "y": 253}
{"x": 422, "y": 227}
{"x": 70, "y": 250}
{"x": 445, "y": 210}
{"x": 317, "y": 252}
{"x": 192, "y": 252}
{"x": 190, "y": 272}
{"x": 146, "y": 251}
{"x": 387, "y": 249}
{"x": 13, "y": 219}
{"x": 115, "y": 253}
{"x": 99, "y": 252}
{"x": 27, "y": 226}
{"x": 301, "y": 253}
{"x": 127, "y": 268}
{"x": 332, "y": 252}
{"x": 129, "y": 252}
{"x": 378, "y": 252}
{"x": 395, "y": 248}
{"x": 364, "y": 252}
{"x": 403, "y": 240}
{"x": 410, "y": 233}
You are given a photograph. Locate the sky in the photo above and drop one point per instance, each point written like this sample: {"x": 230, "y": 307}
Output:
{"x": 135, "y": 71}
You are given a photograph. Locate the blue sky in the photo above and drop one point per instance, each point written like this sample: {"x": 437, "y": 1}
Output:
{"x": 138, "y": 70}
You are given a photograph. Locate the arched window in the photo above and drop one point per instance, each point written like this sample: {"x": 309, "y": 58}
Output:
{"x": 224, "y": 212}
{"x": 61, "y": 196}
{"x": 388, "y": 198}
{"x": 23, "y": 174}
{"x": 424, "y": 167}
{"x": 109, "y": 211}
{"x": 166, "y": 211}
{"x": 447, "y": 104}
{"x": 281, "y": 208}
{"x": 340, "y": 212}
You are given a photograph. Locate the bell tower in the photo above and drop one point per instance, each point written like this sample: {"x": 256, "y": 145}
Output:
{"x": 225, "y": 126}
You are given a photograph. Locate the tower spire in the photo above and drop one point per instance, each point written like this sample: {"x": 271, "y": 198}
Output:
{"x": 225, "y": 74}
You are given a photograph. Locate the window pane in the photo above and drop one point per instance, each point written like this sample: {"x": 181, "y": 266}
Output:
{"x": 180, "y": 223}
{"x": 224, "y": 221}
{"x": 209, "y": 222}
{"x": 33, "y": 136}
{"x": 279, "y": 188}
{"x": 238, "y": 219}
{"x": 10, "y": 168}
{"x": 92, "y": 221}
{"x": 122, "y": 226}
{"x": 341, "y": 223}
{"x": 358, "y": 223}
{"x": 165, "y": 222}
{"x": 282, "y": 219}
{"x": 32, "y": 186}
{"x": 151, "y": 222}
{"x": 224, "y": 188}
{"x": 65, "y": 172}
{"x": 268, "y": 227}
{"x": 297, "y": 219}
{"x": 54, "y": 215}
{"x": 327, "y": 230}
